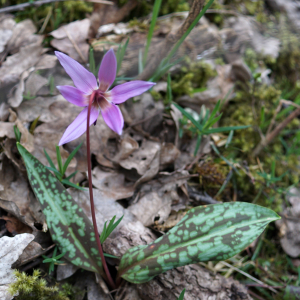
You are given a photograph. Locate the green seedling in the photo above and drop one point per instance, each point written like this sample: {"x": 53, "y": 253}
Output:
{"x": 109, "y": 229}
{"x": 54, "y": 260}
{"x": 271, "y": 178}
{"x": 60, "y": 173}
{"x": 203, "y": 126}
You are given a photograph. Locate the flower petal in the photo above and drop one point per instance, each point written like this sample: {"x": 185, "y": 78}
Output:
{"x": 73, "y": 95}
{"x": 108, "y": 70}
{"x": 113, "y": 117}
{"x": 122, "y": 92}
{"x": 78, "y": 126}
{"x": 82, "y": 78}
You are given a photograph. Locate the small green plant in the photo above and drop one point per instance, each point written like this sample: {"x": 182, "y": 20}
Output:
{"x": 60, "y": 173}
{"x": 53, "y": 260}
{"x": 203, "y": 126}
{"x": 271, "y": 178}
{"x": 109, "y": 229}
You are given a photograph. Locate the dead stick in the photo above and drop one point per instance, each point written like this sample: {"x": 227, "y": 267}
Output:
{"x": 276, "y": 131}
{"x": 167, "y": 44}
{"x": 41, "y": 2}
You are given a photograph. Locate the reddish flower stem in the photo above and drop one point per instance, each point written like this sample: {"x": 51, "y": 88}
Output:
{"x": 88, "y": 152}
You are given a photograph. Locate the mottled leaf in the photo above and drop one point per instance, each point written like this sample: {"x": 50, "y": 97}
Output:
{"x": 70, "y": 228}
{"x": 213, "y": 232}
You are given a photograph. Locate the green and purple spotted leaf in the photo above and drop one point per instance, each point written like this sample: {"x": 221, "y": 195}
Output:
{"x": 70, "y": 228}
{"x": 213, "y": 232}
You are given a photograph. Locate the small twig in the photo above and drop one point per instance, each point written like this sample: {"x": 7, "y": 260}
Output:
{"x": 264, "y": 286}
{"x": 203, "y": 198}
{"x": 282, "y": 101}
{"x": 222, "y": 12}
{"x": 274, "y": 117}
{"x": 143, "y": 120}
{"x": 42, "y": 2}
{"x": 255, "y": 295}
{"x": 247, "y": 275}
{"x": 276, "y": 131}
{"x": 32, "y": 265}
{"x": 34, "y": 257}
{"x": 49, "y": 14}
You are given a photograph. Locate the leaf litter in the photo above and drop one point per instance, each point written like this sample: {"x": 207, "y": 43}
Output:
{"x": 141, "y": 174}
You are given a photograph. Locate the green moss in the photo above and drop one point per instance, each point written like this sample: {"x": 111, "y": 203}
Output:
{"x": 156, "y": 95}
{"x": 193, "y": 75}
{"x": 288, "y": 61}
{"x": 60, "y": 13}
{"x": 35, "y": 288}
{"x": 245, "y": 110}
{"x": 170, "y": 6}
{"x": 139, "y": 24}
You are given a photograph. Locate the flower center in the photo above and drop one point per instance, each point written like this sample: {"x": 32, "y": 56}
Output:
{"x": 100, "y": 99}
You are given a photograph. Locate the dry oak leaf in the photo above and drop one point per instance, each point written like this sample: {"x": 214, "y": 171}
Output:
{"x": 10, "y": 250}
{"x": 71, "y": 39}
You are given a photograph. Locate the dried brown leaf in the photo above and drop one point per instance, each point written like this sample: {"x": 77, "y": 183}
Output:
{"x": 71, "y": 39}
{"x": 14, "y": 225}
{"x": 111, "y": 184}
{"x": 65, "y": 270}
{"x": 7, "y": 129}
{"x": 105, "y": 208}
{"x": 152, "y": 207}
{"x": 10, "y": 250}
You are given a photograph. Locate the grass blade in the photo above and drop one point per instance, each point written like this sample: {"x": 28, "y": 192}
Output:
{"x": 199, "y": 138}
{"x": 49, "y": 160}
{"x": 120, "y": 55}
{"x": 169, "y": 89}
{"x": 189, "y": 116}
{"x": 229, "y": 139}
{"x": 223, "y": 129}
{"x": 181, "y": 295}
{"x": 59, "y": 161}
{"x": 70, "y": 158}
{"x": 155, "y": 12}
{"x": 92, "y": 61}
{"x": 141, "y": 67}
{"x": 67, "y": 182}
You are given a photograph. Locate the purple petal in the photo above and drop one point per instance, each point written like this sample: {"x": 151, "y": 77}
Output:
{"x": 122, "y": 92}
{"x": 108, "y": 70}
{"x": 78, "y": 126}
{"x": 113, "y": 117}
{"x": 82, "y": 78}
{"x": 73, "y": 95}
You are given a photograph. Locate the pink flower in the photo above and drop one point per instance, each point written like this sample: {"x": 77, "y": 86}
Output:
{"x": 103, "y": 100}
